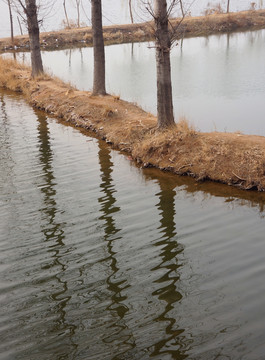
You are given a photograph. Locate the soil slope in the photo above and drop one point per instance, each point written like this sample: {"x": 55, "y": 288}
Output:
{"x": 228, "y": 158}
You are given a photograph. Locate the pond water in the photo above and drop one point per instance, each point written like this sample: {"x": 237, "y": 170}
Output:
{"x": 218, "y": 81}
{"x": 100, "y": 259}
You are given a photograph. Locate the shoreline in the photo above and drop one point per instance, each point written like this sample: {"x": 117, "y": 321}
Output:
{"x": 228, "y": 158}
{"x": 117, "y": 34}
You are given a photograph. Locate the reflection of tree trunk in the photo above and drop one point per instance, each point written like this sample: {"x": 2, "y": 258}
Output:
{"x": 169, "y": 272}
{"x": 98, "y": 47}
{"x": 8, "y": 177}
{"x": 45, "y": 157}
{"x": 132, "y": 50}
{"x": 11, "y": 22}
{"x": 70, "y": 58}
{"x": 34, "y": 37}
{"x": 82, "y": 58}
{"x": 108, "y": 200}
{"x": 181, "y": 43}
{"x": 166, "y": 207}
{"x": 165, "y": 115}
{"x": 108, "y": 209}
{"x": 66, "y": 16}
{"x": 227, "y": 43}
{"x": 52, "y": 229}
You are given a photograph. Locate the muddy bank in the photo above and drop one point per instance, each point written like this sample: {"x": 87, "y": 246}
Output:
{"x": 191, "y": 26}
{"x": 228, "y": 158}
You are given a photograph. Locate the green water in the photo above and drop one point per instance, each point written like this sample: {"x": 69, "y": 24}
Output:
{"x": 100, "y": 259}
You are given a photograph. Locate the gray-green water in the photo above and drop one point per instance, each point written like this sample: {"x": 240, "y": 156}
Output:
{"x": 218, "y": 82}
{"x": 102, "y": 260}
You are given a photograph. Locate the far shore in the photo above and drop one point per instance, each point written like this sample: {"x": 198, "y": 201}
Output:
{"x": 117, "y": 34}
{"x": 228, "y": 158}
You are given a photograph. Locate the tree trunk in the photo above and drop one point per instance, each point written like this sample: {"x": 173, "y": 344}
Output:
{"x": 228, "y": 5}
{"x": 11, "y": 22}
{"x": 182, "y": 9}
{"x": 66, "y": 16}
{"x": 165, "y": 117}
{"x": 34, "y": 37}
{"x": 98, "y": 47}
{"x": 78, "y": 13}
{"x": 131, "y": 13}
{"x": 20, "y": 27}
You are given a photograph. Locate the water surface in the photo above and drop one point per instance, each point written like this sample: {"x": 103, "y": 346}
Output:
{"x": 218, "y": 81}
{"x": 100, "y": 259}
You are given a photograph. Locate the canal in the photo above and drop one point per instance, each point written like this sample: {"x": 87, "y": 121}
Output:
{"x": 100, "y": 259}
{"x": 218, "y": 81}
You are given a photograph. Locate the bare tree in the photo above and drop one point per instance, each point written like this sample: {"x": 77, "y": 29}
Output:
{"x": 182, "y": 9}
{"x": 11, "y": 21}
{"x": 164, "y": 38}
{"x": 98, "y": 47}
{"x": 9, "y": 4}
{"x": 19, "y": 24}
{"x": 65, "y": 12}
{"x": 78, "y": 12}
{"x": 228, "y": 6}
{"x": 130, "y": 8}
{"x": 29, "y": 8}
{"x": 165, "y": 115}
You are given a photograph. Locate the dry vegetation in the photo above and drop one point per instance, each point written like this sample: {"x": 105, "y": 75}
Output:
{"x": 213, "y": 23}
{"x": 233, "y": 159}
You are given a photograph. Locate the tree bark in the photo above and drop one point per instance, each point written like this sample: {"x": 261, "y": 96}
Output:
{"x": 78, "y": 13}
{"x": 98, "y": 47}
{"x": 165, "y": 117}
{"x": 34, "y": 37}
{"x": 20, "y": 27}
{"x": 65, "y": 13}
{"x": 131, "y": 13}
{"x": 228, "y": 5}
{"x": 11, "y": 22}
{"x": 182, "y": 9}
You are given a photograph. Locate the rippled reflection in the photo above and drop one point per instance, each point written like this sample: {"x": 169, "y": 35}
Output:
{"x": 174, "y": 340}
{"x": 120, "y": 332}
{"x": 53, "y": 233}
{"x": 102, "y": 260}
{"x": 6, "y": 165}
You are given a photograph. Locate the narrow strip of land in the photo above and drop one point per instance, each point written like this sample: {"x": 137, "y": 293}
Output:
{"x": 189, "y": 27}
{"x": 228, "y": 158}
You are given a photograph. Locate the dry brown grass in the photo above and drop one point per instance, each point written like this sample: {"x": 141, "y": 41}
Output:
{"x": 230, "y": 158}
{"x": 213, "y": 9}
{"x": 184, "y": 127}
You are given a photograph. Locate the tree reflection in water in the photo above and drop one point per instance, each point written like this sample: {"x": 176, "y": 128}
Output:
{"x": 174, "y": 342}
{"x": 53, "y": 232}
{"x": 120, "y": 332}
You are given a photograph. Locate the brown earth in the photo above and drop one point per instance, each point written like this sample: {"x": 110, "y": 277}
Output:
{"x": 229, "y": 158}
{"x": 190, "y": 26}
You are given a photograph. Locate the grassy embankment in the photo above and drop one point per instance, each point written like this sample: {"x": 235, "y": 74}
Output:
{"x": 228, "y": 158}
{"x": 191, "y": 26}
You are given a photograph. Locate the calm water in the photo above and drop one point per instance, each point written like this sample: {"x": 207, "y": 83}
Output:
{"x": 114, "y": 12}
{"x": 102, "y": 260}
{"x": 218, "y": 81}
